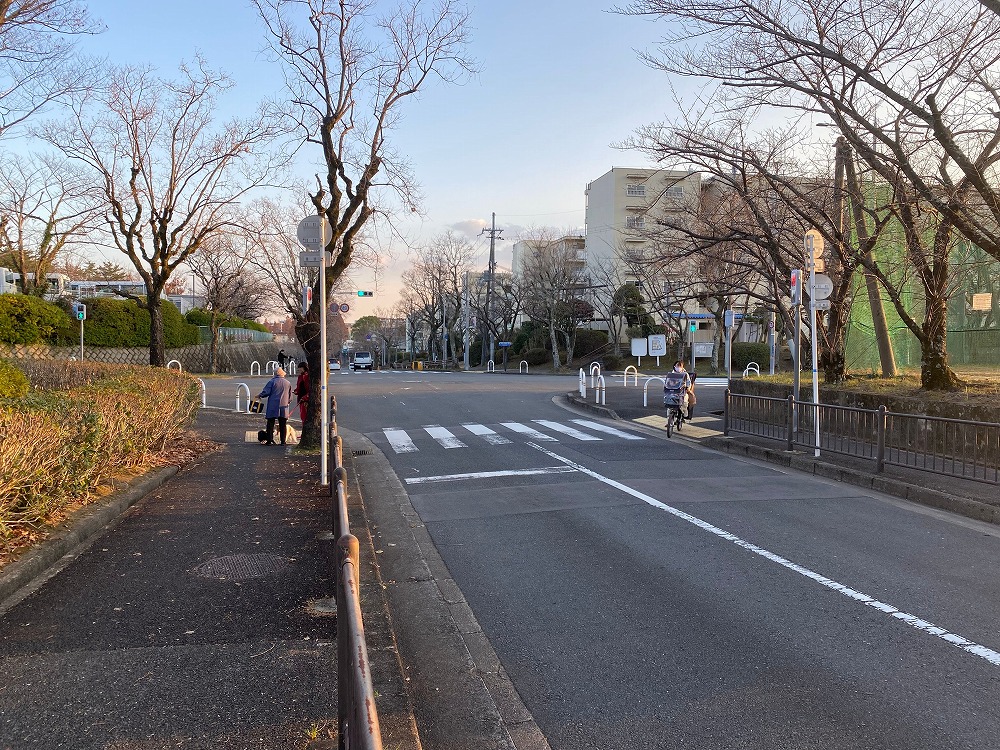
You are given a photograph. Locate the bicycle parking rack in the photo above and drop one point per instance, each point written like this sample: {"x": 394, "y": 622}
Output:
{"x": 600, "y": 395}
{"x": 270, "y": 367}
{"x": 522, "y": 362}
{"x": 490, "y": 367}
{"x": 583, "y": 384}
{"x": 645, "y": 396}
{"x": 175, "y": 362}
{"x": 252, "y": 373}
{"x": 752, "y": 367}
{"x": 239, "y": 389}
{"x": 635, "y": 376}
{"x": 594, "y": 367}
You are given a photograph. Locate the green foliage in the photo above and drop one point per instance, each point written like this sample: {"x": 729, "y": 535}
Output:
{"x": 13, "y": 382}
{"x": 537, "y": 357}
{"x": 116, "y": 322}
{"x": 365, "y": 325}
{"x": 745, "y": 352}
{"x": 589, "y": 341}
{"x": 613, "y": 362}
{"x": 25, "y": 319}
{"x": 200, "y": 317}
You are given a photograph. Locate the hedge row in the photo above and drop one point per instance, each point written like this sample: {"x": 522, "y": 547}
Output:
{"x": 59, "y": 446}
{"x": 199, "y": 317}
{"x": 25, "y": 319}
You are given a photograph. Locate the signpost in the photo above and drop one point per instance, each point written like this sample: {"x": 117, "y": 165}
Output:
{"x": 80, "y": 311}
{"x": 313, "y": 233}
{"x": 820, "y": 287}
{"x": 505, "y": 345}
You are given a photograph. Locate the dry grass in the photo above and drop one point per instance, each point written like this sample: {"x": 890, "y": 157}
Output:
{"x": 57, "y": 447}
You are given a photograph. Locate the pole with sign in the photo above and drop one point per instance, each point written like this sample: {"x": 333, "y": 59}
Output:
{"x": 814, "y": 252}
{"x": 312, "y": 232}
{"x": 729, "y": 319}
{"x": 796, "y": 290}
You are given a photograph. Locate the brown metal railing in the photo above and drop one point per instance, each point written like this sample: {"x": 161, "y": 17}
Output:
{"x": 953, "y": 447}
{"x": 357, "y": 717}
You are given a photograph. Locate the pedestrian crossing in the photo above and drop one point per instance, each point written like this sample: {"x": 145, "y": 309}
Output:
{"x": 540, "y": 430}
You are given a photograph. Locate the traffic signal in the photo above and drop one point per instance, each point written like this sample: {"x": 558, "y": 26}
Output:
{"x": 694, "y": 327}
{"x": 796, "y": 283}
{"x": 362, "y": 293}
{"x": 79, "y": 311}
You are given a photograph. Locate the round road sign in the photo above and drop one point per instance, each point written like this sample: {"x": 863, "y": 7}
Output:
{"x": 311, "y": 232}
{"x": 345, "y": 307}
{"x": 823, "y": 287}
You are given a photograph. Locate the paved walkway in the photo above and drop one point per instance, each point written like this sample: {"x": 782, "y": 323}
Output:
{"x": 189, "y": 623}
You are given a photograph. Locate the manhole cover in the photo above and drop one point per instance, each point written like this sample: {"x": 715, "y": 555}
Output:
{"x": 241, "y": 567}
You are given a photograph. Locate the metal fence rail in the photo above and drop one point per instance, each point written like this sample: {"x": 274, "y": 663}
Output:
{"x": 952, "y": 447}
{"x": 357, "y": 717}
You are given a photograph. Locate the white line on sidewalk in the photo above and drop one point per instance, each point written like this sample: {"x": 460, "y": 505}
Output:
{"x": 913, "y": 621}
{"x": 492, "y": 474}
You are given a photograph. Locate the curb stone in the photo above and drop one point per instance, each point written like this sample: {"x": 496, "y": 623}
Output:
{"x": 80, "y": 529}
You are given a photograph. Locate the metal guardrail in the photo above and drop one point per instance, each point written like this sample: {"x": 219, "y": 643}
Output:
{"x": 357, "y": 717}
{"x": 961, "y": 448}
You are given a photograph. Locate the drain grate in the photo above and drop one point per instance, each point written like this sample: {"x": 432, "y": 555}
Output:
{"x": 241, "y": 567}
{"x": 363, "y": 452}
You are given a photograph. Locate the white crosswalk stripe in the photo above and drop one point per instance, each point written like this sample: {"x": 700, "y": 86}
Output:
{"x": 401, "y": 442}
{"x": 607, "y": 429}
{"x": 523, "y": 429}
{"x": 487, "y": 434}
{"x": 565, "y": 429}
{"x": 444, "y": 437}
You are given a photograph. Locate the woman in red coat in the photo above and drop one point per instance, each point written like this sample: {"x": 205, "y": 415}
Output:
{"x": 302, "y": 390}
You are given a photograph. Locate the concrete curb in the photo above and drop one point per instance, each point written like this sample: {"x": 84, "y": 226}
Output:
{"x": 81, "y": 528}
{"x": 879, "y": 482}
{"x": 604, "y": 411}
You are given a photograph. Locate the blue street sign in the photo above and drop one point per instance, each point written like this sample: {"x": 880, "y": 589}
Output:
{"x": 503, "y": 344}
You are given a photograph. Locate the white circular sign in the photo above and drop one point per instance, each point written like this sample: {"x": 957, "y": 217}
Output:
{"x": 823, "y": 287}
{"x": 311, "y": 232}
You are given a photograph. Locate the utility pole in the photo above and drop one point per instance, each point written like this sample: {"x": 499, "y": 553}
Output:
{"x": 493, "y": 233}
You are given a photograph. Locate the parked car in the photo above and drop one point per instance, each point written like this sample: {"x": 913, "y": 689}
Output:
{"x": 334, "y": 365}
{"x": 362, "y": 361}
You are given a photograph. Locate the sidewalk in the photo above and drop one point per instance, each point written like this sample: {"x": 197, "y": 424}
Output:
{"x": 188, "y": 624}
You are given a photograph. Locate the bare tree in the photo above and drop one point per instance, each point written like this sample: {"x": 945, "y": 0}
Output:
{"x": 348, "y": 74}
{"x": 36, "y": 56}
{"x": 45, "y": 204}
{"x": 169, "y": 175}
{"x": 555, "y": 281}
{"x": 229, "y": 286}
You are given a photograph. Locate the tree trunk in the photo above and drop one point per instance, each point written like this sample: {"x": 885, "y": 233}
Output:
{"x": 555, "y": 345}
{"x": 308, "y": 334}
{"x": 935, "y": 374}
{"x": 157, "y": 348}
{"x": 833, "y": 356}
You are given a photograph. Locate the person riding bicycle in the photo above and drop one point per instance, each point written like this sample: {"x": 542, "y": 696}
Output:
{"x": 677, "y": 388}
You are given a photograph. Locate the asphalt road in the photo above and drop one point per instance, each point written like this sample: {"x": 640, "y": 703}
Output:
{"x": 646, "y": 593}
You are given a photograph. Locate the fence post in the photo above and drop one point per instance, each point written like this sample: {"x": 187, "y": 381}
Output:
{"x": 725, "y": 413}
{"x": 791, "y": 426}
{"x": 880, "y": 440}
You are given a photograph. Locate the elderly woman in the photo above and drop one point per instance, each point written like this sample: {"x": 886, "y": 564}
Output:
{"x": 279, "y": 396}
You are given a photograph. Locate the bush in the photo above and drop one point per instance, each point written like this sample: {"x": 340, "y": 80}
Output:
{"x": 30, "y": 320}
{"x": 200, "y": 317}
{"x": 613, "y": 362}
{"x": 589, "y": 341}
{"x": 13, "y": 382}
{"x": 122, "y": 323}
{"x": 71, "y": 441}
{"x": 536, "y": 357}
{"x": 745, "y": 352}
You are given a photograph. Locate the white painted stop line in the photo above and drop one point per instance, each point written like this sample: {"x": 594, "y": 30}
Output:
{"x": 913, "y": 621}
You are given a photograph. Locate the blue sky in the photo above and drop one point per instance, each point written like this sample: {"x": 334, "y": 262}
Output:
{"x": 560, "y": 82}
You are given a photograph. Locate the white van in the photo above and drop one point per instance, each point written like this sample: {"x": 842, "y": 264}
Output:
{"x": 362, "y": 361}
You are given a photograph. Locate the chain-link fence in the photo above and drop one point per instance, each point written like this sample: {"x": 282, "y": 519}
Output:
{"x": 233, "y": 357}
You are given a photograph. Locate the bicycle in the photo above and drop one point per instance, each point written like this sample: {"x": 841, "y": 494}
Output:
{"x": 676, "y": 406}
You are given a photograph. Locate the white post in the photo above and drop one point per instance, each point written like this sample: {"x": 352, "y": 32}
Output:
{"x": 814, "y": 347}
{"x": 324, "y": 365}
{"x": 202, "y": 392}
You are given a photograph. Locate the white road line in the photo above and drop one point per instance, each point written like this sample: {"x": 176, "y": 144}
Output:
{"x": 565, "y": 429}
{"x": 399, "y": 440}
{"x": 913, "y": 621}
{"x": 606, "y": 429}
{"x": 444, "y": 437}
{"x": 487, "y": 434}
{"x": 492, "y": 474}
{"x": 525, "y": 430}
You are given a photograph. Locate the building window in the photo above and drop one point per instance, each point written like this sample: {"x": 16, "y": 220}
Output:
{"x": 635, "y": 222}
{"x": 637, "y": 191}
{"x": 675, "y": 191}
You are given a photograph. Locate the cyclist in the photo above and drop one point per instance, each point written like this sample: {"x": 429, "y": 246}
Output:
{"x": 676, "y": 389}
